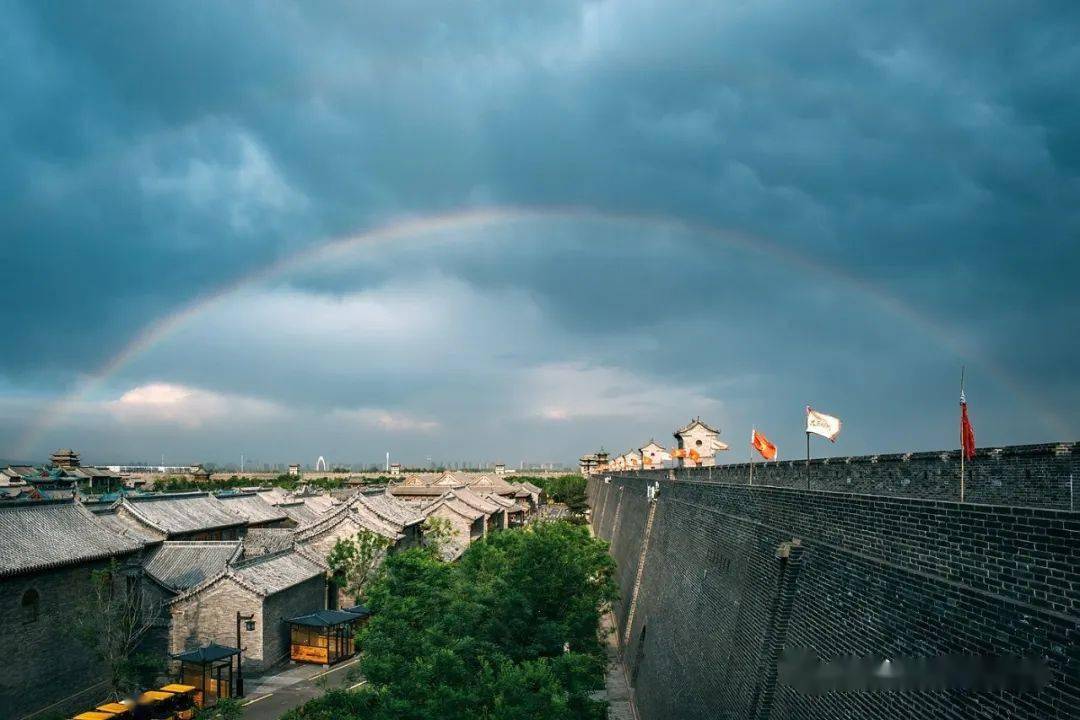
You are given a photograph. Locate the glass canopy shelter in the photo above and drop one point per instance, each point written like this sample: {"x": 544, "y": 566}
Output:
{"x": 210, "y": 670}
{"x": 324, "y": 637}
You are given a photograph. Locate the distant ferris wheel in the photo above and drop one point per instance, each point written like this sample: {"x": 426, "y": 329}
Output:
{"x": 320, "y": 464}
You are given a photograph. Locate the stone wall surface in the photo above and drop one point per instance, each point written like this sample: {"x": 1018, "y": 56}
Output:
{"x": 46, "y": 668}
{"x": 210, "y": 616}
{"x": 302, "y": 599}
{"x": 731, "y": 579}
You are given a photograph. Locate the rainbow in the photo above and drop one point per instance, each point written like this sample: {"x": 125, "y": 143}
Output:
{"x": 406, "y": 229}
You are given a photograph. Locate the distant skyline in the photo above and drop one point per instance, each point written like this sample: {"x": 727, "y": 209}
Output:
{"x": 529, "y": 230}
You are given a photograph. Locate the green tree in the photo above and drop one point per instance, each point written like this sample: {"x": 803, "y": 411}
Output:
{"x": 223, "y": 709}
{"x": 510, "y": 631}
{"x": 353, "y": 560}
{"x": 566, "y": 489}
{"x": 438, "y": 532}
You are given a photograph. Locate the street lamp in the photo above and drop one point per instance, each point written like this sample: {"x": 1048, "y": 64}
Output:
{"x": 249, "y": 624}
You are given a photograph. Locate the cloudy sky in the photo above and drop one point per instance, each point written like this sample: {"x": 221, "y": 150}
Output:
{"x": 518, "y": 231}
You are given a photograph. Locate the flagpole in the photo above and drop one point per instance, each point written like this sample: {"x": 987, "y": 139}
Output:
{"x": 752, "y": 455}
{"x": 962, "y": 437}
{"x": 807, "y": 459}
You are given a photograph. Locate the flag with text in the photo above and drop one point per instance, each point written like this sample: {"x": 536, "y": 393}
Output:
{"x": 821, "y": 424}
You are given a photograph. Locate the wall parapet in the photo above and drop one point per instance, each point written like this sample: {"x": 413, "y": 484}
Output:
{"x": 1040, "y": 475}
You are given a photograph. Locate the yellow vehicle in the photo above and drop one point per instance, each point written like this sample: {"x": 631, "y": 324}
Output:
{"x": 155, "y": 705}
{"x": 118, "y": 710}
{"x": 94, "y": 715}
{"x": 184, "y": 700}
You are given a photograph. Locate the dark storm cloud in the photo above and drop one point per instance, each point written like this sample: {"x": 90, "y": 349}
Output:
{"x": 154, "y": 152}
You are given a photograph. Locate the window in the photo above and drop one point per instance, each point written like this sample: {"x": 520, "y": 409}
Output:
{"x": 31, "y": 602}
{"x": 698, "y": 443}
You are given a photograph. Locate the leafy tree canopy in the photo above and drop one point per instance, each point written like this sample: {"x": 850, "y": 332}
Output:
{"x": 566, "y": 489}
{"x": 353, "y": 560}
{"x": 508, "y": 632}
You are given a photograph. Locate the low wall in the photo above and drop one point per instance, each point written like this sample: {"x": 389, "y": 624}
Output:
{"x": 1027, "y": 475}
{"x": 718, "y": 580}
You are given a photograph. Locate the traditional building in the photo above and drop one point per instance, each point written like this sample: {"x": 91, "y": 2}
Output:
{"x": 294, "y": 470}
{"x": 395, "y": 469}
{"x": 271, "y": 589}
{"x": 407, "y": 520}
{"x": 96, "y": 480}
{"x": 200, "y": 474}
{"x": 653, "y": 455}
{"x": 381, "y": 514}
{"x": 515, "y": 511}
{"x": 698, "y": 444}
{"x": 298, "y": 511}
{"x": 466, "y": 522}
{"x": 175, "y": 567}
{"x": 256, "y": 511}
{"x": 179, "y": 516}
{"x": 587, "y": 464}
{"x": 451, "y": 479}
{"x": 495, "y": 517}
{"x": 344, "y": 523}
{"x": 417, "y": 493}
{"x": 486, "y": 484}
{"x": 532, "y": 494}
{"x": 48, "y": 550}
{"x": 500, "y": 469}
{"x": 65, "y": 459}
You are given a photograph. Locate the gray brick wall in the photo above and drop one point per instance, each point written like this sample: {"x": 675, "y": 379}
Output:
{"x": 871, "y": 576}
{"x": 45, "y": 667}
{"x": 307, "y": 597}
{"x": 210, "y": 616}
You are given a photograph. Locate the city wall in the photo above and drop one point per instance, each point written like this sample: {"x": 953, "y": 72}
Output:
{"x": 1026, "y": 475}
{"x": 720, "y": 579}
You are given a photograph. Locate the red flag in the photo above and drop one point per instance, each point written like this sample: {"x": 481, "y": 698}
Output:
{"x": 762, "y": 445}
{"x": 967, "y": 433}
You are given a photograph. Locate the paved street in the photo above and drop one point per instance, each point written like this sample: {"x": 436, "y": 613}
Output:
{"x": 270, "y": 696}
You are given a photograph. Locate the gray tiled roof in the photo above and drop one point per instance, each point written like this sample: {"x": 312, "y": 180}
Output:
{"x": 391, "y": 509}
{"x": 505, "y": 503}
{"x": 417, "y": 490}
{"x": 262, "y": 541}
{"x": 127, "y": 528}
{"x": 456, "y": 505}
{"x": 40, "y": 535}
{"x": 299, "y": 511}
{"x": 319, "y": 503}
{"x": 273, "y": 573}
{"x": 475, "y": 501}
{"x": 691, "y": 424}
{"x": 352, "y": 511}
{"x": 180, "y": 566}
{"x": 86, "y": 471}
{"x": 485, "y": 483}
{"x": 182, "y": 512}
{"x": 253, "y": 508}
{"x": 450, "y": 479}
